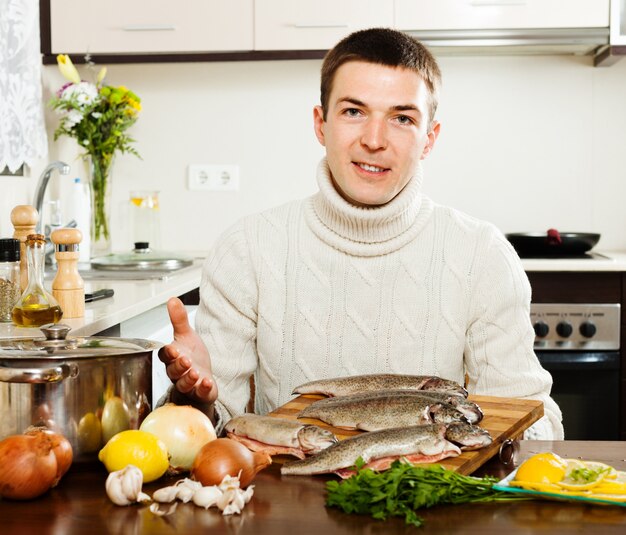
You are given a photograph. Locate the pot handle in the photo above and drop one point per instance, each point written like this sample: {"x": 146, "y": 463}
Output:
{"x": 55, "y": 374}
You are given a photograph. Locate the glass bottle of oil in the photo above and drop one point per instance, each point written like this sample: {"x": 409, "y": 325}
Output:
{"x": 36, "y": 306}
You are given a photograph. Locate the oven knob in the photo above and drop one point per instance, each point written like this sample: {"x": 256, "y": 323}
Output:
{"x": 564, "y": 329}
{"x": 587, "y": 329}
{"x": 541, "y": 329}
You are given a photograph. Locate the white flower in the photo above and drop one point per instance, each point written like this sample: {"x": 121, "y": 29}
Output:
{"x": 84, "y": 94}
{"x": 73, "y": 118}
{"x": 96, "y": 115}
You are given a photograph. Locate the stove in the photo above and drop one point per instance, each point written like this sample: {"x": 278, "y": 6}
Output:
{"x": 576, "y": 327}
{"x": 579, "y": 345}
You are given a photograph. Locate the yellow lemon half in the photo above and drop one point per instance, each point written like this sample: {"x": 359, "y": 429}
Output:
{"x": 146, "y": 451}
{"x": 585, "y": 477}
{"x": 542, "y": 468}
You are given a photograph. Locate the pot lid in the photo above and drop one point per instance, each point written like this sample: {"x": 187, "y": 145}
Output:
{"x": 142, "y": 257}
{"x": 57, "y": 344}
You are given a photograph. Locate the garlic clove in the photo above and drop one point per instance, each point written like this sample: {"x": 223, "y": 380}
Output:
{"x": 207, "y": 496}
{"x": 185, "y": 494}
{"x": 155, "y": 508}
{"x": 165, "y": 494}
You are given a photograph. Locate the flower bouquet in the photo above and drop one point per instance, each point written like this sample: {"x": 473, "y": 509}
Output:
{"x": 97, "y": 116}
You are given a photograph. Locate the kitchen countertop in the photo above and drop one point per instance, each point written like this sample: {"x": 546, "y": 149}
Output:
{"x": 131, "y": 298}
{"x": 598, "y": 261}
{"x": 295, "y": 504}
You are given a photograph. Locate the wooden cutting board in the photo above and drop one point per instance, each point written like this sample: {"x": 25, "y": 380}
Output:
{"x": 504, "y": 418}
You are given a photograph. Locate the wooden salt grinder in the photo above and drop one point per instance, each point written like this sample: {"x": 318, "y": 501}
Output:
{"x": 24, "y": 218}
{"x": 68, "y": 287}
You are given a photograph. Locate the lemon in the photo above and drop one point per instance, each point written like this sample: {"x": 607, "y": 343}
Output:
{"x": 143, "y": 449}
{"x": 542, "y": 468}
{"x": 585, "y": 477}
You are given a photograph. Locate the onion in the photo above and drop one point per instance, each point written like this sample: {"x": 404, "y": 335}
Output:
{"x": 61, "y": 448}
{"x": 183, "y": 429}
{"x": 28, "y": 466}
{"x": 226, "y": 457}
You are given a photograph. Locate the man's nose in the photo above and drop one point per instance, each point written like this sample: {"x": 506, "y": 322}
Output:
{"x": 374, "y": 134}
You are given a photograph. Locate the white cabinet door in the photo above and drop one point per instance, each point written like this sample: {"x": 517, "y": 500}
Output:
{"x": 150, "y": 26}
{"x": 500, "y": 14}
{"x": 315, "y": 24}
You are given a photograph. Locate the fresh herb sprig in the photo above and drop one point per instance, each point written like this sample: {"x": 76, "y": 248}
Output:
{"x": 405, "y": 488}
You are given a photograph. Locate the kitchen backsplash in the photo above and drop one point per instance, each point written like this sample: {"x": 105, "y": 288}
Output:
{"x": 526, "y": 142}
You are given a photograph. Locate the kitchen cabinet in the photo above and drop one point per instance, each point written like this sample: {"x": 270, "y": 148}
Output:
{"x": 314, "y": 24}
{"x": 500, "y": 14}
{"x": 149, "y": 26}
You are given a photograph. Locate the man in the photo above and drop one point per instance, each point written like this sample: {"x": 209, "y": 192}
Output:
{"x": 368, "y": 275}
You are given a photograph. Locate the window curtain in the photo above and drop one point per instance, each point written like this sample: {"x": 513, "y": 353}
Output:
{"x": 23, "y": 137}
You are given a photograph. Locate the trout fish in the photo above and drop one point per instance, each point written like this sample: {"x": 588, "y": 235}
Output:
{"x": 383, "y": 412}
{"x": 472, "y": 412}
{"x": 378, "y": 449}
{"x": 278, "y": 436}
{"x": 342, "y": 386}
{"x": 468, "y": 437}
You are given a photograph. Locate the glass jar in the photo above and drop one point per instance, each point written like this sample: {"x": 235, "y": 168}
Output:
{"x": 36, "y": 306}
{"x": 9, "y": 276}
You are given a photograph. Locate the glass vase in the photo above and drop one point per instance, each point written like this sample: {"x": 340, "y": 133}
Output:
{"x": 100, "y": 169}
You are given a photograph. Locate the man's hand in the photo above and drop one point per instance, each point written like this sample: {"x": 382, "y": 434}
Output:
{"x": 186, "y": 359}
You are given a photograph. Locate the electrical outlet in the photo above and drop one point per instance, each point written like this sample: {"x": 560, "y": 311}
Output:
{"x": 213, "y": 177}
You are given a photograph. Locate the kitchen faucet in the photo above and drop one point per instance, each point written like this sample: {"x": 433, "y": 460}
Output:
{"x": 64, "y": 169}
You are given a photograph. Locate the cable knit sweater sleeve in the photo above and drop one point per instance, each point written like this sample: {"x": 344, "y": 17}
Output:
{"x": 499, "y": 357}
{"x": 227, "y": 318}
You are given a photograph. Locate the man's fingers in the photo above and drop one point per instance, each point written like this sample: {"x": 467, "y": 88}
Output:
{"x": 178, "y": 368}
{"x": 205, "y": 390}
{"x": 168, "y": 354}
{"x": 178, "y": 316}
{"x": 186, "y": 383}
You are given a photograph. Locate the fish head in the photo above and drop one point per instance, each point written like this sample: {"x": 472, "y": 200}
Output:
{"x": 314, "y": 439}
{"x": 444, "y": 385}
{"x": 445, "y": 413}
{"x": 469, "y": 437}
{"x": 472, "y": 412}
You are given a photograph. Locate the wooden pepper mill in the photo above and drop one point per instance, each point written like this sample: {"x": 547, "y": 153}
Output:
{"x": 68, "y": 287}
{"x": 24, "y": 219}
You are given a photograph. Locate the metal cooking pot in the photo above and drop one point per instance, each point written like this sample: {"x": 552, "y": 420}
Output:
{"x": 85, "y": 388}
{"x": 552, "y": 243}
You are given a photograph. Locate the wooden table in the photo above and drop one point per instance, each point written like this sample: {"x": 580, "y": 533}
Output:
{"x": 294, "y": 505}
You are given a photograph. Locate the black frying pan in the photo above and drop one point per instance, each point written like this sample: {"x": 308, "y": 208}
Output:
{"x": 552, "y": 243}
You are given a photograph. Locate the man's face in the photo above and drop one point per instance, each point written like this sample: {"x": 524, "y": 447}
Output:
{"x": 376, "y": 130}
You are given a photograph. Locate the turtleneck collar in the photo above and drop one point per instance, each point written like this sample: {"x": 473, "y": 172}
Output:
{"x": 367, "y": 231}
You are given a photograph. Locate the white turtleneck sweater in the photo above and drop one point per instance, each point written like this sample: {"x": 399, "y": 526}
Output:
{"x": 320, "y": 288}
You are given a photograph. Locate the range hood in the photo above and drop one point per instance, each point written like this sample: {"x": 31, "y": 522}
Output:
{"x": 546, "y": 41}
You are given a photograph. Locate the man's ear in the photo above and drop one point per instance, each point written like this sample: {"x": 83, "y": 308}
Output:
{"x": 318, "y": 124}
{"x": 432, "y": 137}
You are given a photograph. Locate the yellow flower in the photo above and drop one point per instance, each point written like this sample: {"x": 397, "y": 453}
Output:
{"x": 101, "y": 75}
{"x": 67, "y": 68}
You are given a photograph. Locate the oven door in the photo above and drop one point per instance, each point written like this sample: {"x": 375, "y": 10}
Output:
{"x": 586, "y": 388}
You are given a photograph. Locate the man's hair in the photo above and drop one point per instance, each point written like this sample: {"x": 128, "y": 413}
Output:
{"x": 385, "y": 47}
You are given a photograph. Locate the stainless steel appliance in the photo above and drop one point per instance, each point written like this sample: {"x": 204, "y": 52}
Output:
{"x": 579, "y": 345}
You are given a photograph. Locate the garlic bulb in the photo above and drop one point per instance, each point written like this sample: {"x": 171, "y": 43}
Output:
{"x": 124, "y": 486}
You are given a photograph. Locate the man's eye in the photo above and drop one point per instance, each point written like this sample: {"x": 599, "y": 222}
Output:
{"x": 352, "y": 112}
{"x": 404, "y": 119}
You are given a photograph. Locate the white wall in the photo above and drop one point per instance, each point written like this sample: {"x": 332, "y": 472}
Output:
{"x": 527, "y": 143}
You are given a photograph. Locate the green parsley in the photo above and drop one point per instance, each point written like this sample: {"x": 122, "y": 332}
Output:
{"x": 405, "y": 488}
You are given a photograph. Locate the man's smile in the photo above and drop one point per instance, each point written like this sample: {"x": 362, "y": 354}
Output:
{"x": 370, "y": 168}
